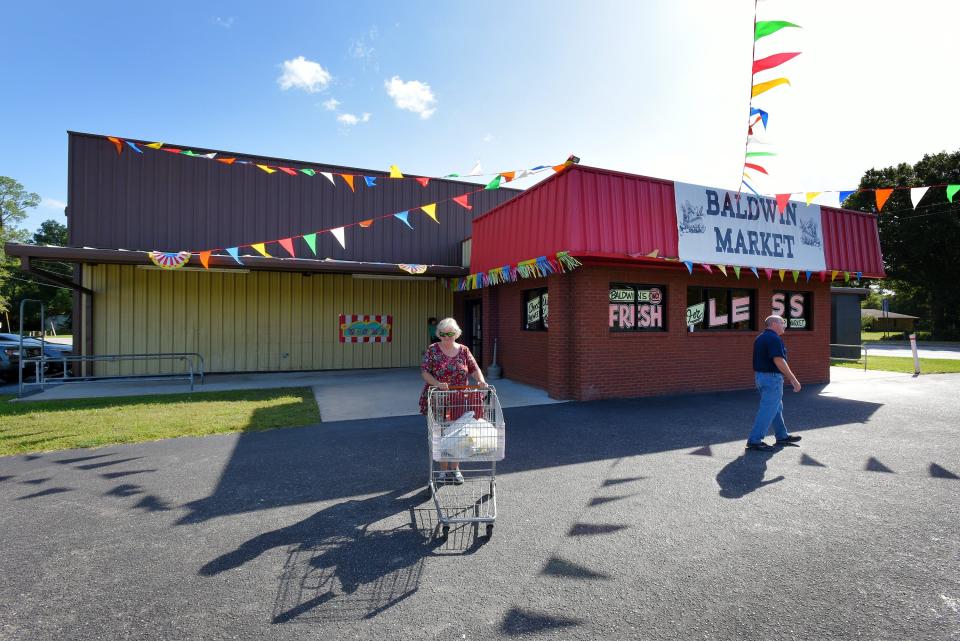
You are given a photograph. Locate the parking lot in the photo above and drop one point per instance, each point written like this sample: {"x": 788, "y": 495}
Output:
{"x": 639, "y": 518}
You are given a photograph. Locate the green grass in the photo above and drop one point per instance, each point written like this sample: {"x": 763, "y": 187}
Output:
{"x": 40, "y": 426}
{"x": 876, "y": 336}
{"x": 904, "y": 364}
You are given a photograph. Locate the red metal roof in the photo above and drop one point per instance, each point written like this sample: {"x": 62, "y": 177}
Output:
{"x": 609, "y": 214}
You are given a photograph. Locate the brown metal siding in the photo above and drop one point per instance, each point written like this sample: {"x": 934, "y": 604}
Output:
{"x": 160, "y": 201}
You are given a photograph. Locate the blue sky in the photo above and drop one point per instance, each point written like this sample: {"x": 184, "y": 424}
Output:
{"x": 653, "y": 87}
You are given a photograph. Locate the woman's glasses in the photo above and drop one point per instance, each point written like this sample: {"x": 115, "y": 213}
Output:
{"x": 446, "y": 333}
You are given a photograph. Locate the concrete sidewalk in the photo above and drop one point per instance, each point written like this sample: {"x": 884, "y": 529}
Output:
{"x": 341, "y": 395}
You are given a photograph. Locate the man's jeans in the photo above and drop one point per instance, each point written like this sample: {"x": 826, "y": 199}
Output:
{"x": 771, "y": 407}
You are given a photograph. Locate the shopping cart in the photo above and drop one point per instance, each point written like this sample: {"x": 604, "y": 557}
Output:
{"x": 465, "y": 427}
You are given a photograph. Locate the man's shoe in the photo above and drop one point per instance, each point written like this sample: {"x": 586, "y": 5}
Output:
{"x": 457, "y": 478}
{"x": 790, "y": 440}
{"x": 760, "y": 447}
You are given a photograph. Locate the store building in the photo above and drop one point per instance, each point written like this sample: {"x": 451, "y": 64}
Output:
{"x": 641, "y": 315}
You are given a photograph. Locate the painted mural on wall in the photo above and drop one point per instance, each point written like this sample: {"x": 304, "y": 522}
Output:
{"x": 717, "y": 226}
{"x": 366, "y": 328}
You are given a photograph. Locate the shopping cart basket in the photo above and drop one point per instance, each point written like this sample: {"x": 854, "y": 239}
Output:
{"x": 465, "y": 429}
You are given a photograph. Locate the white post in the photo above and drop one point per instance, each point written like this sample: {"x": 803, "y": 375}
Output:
{"x": 916, "y": 358}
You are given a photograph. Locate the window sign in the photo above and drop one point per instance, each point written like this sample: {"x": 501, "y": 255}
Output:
{"x": 536, "y": 309}
{"x": 719, "y": 309}
{"x": 637, "y": 308}
{"x": 795, "y": 308}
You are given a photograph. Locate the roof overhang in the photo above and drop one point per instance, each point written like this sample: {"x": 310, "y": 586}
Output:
{"x": 91, "y": 255}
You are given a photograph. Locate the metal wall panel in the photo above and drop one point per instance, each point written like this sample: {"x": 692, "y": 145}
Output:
{"x": 255, "y": 321}
{"x": 160, "y": 201}
{"x": 591, "y": 211}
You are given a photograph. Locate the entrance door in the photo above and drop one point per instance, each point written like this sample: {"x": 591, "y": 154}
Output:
{"x": 474, "y": 330}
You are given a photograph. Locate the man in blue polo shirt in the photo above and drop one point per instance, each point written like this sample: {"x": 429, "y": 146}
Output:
{"x": 770, "y": 368}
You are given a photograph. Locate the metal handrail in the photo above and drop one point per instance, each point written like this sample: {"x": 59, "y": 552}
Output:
{"x": 194, "y": 367}
{"x": 863, "y": 354}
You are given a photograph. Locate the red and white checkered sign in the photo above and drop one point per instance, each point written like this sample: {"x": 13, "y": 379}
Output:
{"x": 366, "y": 328}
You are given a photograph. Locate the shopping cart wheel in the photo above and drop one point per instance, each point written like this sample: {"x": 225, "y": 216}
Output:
{"x": 445, "y": 532}
{"x": 489, "y": 530}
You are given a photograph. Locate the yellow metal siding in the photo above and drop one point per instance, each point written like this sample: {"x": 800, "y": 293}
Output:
{"x": 255, "y": 321}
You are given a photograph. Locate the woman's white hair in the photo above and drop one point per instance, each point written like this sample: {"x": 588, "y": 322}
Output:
{"x": 449, "y": 325}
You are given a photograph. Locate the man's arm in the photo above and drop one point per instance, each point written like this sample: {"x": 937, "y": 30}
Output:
{"x": 785, "y": 370}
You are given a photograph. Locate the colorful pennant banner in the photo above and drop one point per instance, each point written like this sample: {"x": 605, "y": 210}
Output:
{"x": 559, "y": 263}
{"x": 881, "y": 195}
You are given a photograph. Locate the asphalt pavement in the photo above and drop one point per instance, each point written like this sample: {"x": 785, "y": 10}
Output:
{"x": 634, "y": 519}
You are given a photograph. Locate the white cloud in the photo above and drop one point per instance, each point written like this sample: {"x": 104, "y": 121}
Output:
{"x": 413, "y": 96}
{"x": 350, "y": 119}
{"x": 53, "y": 203}
{"x": 300, "y": 73}
{"x": 226, "y": 23}
{"x": 488, "y": 138}
{"x": 331, "y": 105}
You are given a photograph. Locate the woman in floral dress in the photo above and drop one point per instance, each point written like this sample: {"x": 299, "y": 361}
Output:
{"x": 448, "y": 364}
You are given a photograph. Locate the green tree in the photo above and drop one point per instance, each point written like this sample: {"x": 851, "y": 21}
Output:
{"x": 921, "y": 247}
{"x": 14, "y": 203}
{"x": 57, "y": 301}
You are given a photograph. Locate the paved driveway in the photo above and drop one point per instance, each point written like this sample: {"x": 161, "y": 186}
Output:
{"x": 924, "y": 350}
{"x": 637, "y": 519}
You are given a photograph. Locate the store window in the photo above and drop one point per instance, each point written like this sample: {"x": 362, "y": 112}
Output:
{"x": 795, "y": 307}
{"x": 637, "y": 308}
{"x": 720, "y": 309}
{"x": 535, "y": 310}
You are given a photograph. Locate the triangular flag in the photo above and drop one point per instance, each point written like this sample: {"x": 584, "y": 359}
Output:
{"x": 116, "y": 143}
{"x": 133, "y": 146}
{"x": 403, "y": 216}
{"x": 266, "y": 169}
{"x": 366, "y": 223}
{"x": 844, "y": 195}
{"x": 476, "y": 171}
{"x": 846, "y": 277}
{"x": 882, "y": 196}
{"x": 769, "y": 273}
{"x": 155, "y": 145}
{"x": 329, "y": 176}
{"x": 288, "y": 170}
{"x": 235, "y": 254}
{"x": 782, "y": 200}
{"x": 559, "y": 168}
{"x": 952, "y": 191}
{"x": 859, "y": 275}
{"x": 209, "y": 156}
{"x": 763, "y": 116}
{"x": 723, "y": 269}
{"x": 823, "y": 276}
{"x": 653, "y": 254}
{"x": 395, "y": 172}
{"x": 423, "y": 181}
{"x": 189, "y": 152}
{"x": 770, "y": 62}
{"x": 750, "y": 165}
{"x": 311, "y": 240}
{"x": 371, "y": 181}
{"x": 287, "y": 243}
{"x": 494, "y": 184}
{"x": 736, "y": 270}
{"x": 462, "y": 201}
{"x": 227, "y": 161}
{"x": 205, "y": 259}
{"x": 308, "y": 171}
{"x": 768, "y": 85}
{"x": 754, "y": 270}
{"x": 172, "y": 150}
{"x": 508, "y": 175}
{"x": 751, "y": 154}
{"x": 689, "y": 266}
{"x": 431, "y": 210}
{"x": 833, "y": 275}
{"x": 348, "y": 178}
{"x": 811, "y": 195}
{"x": 916, "y": 195}
{"x": 765, "y": 28}
{"x": 796, "y": 275}
{"x": 260, "y": 247}
{"x": 708, "y": 268}
{"x": 338, "y": 234}
{"x": 808, "y": 275}
{"x": 782, "y": 272}
{"x": 523, "y": 174}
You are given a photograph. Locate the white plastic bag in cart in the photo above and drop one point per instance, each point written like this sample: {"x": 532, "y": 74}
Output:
{"x": 468, "y": 436}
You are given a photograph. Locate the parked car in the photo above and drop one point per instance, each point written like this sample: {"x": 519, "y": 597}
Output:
{"x": 10, "y": 360}
{"x": 50, "y": 350}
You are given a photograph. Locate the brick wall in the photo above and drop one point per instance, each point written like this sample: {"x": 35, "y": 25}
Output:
{"x": 580, "y": 358}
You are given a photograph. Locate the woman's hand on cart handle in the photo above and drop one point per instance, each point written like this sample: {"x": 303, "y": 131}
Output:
{"x": 443, "y": 386}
